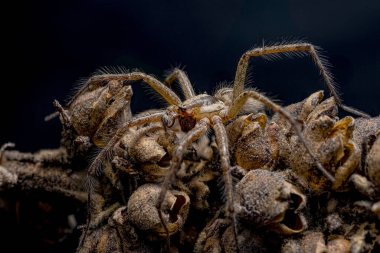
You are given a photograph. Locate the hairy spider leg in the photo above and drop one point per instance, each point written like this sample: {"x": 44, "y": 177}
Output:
{"x": 183, "y": 80}
{"x": 198, "y": 131}
{"x": 95, "y": 167}
{"x": 296, "y": 48}
{"x": 155, "y": 84}
{"x": 65, "y": 116}
{"x": 141, "y": 120}
{"x": 239, "y": 102}
{"x": 164, "y": 91}
{"x": 222, "y": 142}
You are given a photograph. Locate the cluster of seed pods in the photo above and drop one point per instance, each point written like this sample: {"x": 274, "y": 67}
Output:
{"x": 282, "y": 203}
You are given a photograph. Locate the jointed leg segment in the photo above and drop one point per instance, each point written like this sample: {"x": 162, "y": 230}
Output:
{"x": 198, "y": 131}
{"x": 158, "y": 86}
{"x": 242, "y": 98}
{"x": 150, "y": 118}
{"x": 242, "y": 67}
{"x": 222, "y": 142}
{"x": 96, "y": 164}
{"x": 183, "y": 81}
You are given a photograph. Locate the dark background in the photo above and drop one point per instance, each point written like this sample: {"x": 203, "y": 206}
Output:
{"x": 53, "y": 44}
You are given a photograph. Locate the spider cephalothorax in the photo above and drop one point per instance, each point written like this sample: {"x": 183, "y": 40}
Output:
{"x": 194, "y": 109}
{"x": 199, "y": 113}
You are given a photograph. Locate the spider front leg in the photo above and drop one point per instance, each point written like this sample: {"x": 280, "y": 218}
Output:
{"x": 183, "y": 80}
{"x": 95, "y": 168}
{"x": 241, "y": 100}
{"x": 222, "y": 142}
{"x": 297, "y": 48}
{"x": 97, "y": 81}
{"x": 198, "y": 131}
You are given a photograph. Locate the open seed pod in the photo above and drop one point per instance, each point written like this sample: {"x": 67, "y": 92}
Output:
{"x": 143, "y": 213}
{"x": 264, "y": 198}
{"x": 145, "y": 149}
{"x": 115, "y": 236}
{"x": 255, "y": 145}
{"x": 149, "y": 156}
{"x": 329, "y": 139}
{"x": 99, "y": 111}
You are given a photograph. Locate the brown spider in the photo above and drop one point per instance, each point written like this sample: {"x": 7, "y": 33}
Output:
{"x": 198, "y": 113}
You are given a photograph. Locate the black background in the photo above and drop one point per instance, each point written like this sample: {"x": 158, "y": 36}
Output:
{"x": 53, "y": 44}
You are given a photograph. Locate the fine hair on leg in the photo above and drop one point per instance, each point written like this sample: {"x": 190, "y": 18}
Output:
{"x": 222, "y": 142}
{"x": 198, "y": 131}
{"x": 98, "y": 80}
{"x": 180, "y": 76}
{"x": 289, "y": 49}
{"x": 242, "y": 98}
{"x": 95, "y": 167}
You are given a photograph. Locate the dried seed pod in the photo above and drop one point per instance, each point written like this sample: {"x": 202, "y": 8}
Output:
{"x": 329, "y": 138}
{"x": 373, "y": 163}
{"x": 366, "y": 239}
{"x": 141, "y": 144}
{"x": 253, "y": 143}
{"x": 99, "y": 111}
{"x": 365, "y": 133}
{"x": 117, "y": 235}
{"x": 366, "y": 137}
{"x": 339, "y": 245}
{"x": 313, "y": 242}
{"x": 143, "y": 213}
{"x": 147, "y": 150}
{"x": 196, "y": 176}
{"x": 7, "y": 179}
{"x": 218, "y": 236}
{"x": 310, "y": 242}
{"x": 248, "y": 240}
{"x": 209, "y": 239}
{"x": 364, "y": 186}
{"x": 300, "y": 110}
{"x": 142, "y": 149}
{"x": 375, "y": 208}
{"x": 264, "y": 198}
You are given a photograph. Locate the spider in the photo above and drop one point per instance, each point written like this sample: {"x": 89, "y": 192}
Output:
{"x": 198, "y": 113}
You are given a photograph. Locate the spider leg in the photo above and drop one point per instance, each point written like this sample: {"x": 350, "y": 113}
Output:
{"x": 183, "y": 80}
{"x": 61, "y": 111}
{"x": 157, "y": 85}
{"x": 95, "y": 167}
{"x": 198, "y": 131}
{"x": 148, "y": 118}
{"x": 242, "y": 98}
{"x": 296, "y": 48}
{"x": 222, "y": 142}
{"x": 97, "y": 80}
